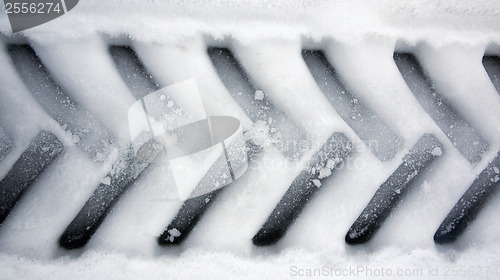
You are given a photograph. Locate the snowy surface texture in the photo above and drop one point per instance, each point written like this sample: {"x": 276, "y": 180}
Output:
{"x": 359, "y": 38}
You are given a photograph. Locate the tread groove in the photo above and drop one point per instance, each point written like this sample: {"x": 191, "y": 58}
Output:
{"x": 88, "y": 133}
{"x": 390, "y": 193}
{"x": 39, "y": 154}
{"x": 369, "y": 128}
{"x": 306, "y": 184}
{"x": 461, "y": 134}
{"x": 470, "y": 204}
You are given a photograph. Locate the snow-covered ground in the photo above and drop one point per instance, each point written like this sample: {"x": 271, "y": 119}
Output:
{"x": 358, "y": 37}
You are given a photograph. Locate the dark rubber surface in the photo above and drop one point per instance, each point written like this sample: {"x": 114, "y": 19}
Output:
{"x": 463, "y": 136}
{"x": 88, "y": 133}
{"x": 369, "y": 128}
{"x": 232, "y": 74}
{"x": 492, "y": 66}
{"x": 124, "y": 171}
{"x": 40, "y": 153}
{"x": 302, "y": 189}
{"x": 393, "y": 189}
{"x": 470, "y": 204}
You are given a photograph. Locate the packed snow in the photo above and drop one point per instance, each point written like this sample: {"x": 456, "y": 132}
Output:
{"x": 171, "y": 39}
{"x": 437, "y": 151}
{"x": 259, "y": 95}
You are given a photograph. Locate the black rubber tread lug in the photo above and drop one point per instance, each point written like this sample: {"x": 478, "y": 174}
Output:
{"x": 461, "y": 134}
{"x": 133, "y": 72}
{"x": 492, "y": 66}
{"x": 370, "y": 129}
{"x": 194, "y": 208}
{"x": 124, "y": 172}
{"x": 306, "y": 184}
{"x": 232, "y": 74}
{"x": 389, "y": 194}
{"x": 40, "y": 153}
{"x": 88, "y": 133}
{"x": 186, "y": 219}
{"x": 470, "y": 204}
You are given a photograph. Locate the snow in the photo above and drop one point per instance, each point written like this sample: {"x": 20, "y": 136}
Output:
{"x": 495, "y": 179}
{"x": 316, "y": 182}
{"x": 437, "y": 151}
{"x": 106, "y": 181}
{"x": 259, "y": 134}
{"x": 173, "y": 234}
{"x": 170, "y": 37}
{"x": 75, "y": 139}
{"x": 324, "y": 172}
{"x": 259, "y": 95}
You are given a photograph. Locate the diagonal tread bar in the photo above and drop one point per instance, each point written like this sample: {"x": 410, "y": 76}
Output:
{"x": 133, "y": 72}
{"x": 88, "y": 133}
{"x": 194, "y": 208}
{"x": 40, "y": 153}
{"x": 286, "y": 134}
{"x": 461, "y": 134}
{"x": 306, "y": 184}
{"x": 124, "y": 171}
{"x": 186, "y": 219}
{"x": 470, "y": 204}
{"x": 393, "y": 189}
{"x": 238, "y": 84}
{"x": 492, "y": 66}
{"x": 372, "y": 130}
